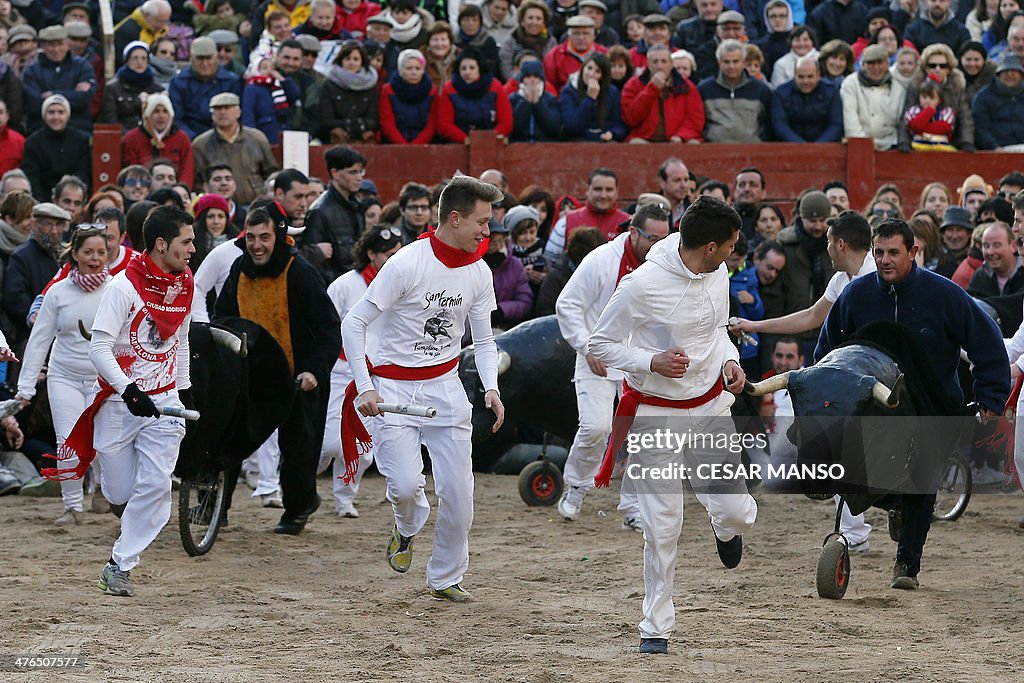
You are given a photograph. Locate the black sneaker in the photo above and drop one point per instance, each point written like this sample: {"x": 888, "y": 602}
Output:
{"x": 731, "y": 551}
{"x": 895, "y": 524}
{"x": 293, "y": 526}
{"x": 654, "y": 646}
{"x": 901, "y": 579}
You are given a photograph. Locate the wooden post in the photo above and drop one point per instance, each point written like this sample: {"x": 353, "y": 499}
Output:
{"x": 106, "y": 154}
{"x": 107, "y": 31}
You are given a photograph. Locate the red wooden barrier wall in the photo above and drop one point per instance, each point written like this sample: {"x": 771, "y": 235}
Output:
{"x": 563, "y": 167}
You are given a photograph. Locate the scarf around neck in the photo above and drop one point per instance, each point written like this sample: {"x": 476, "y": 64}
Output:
{"x": 536, "y": 43}
{"x": 409, "y": 93}
{"x": 403, "y": 33}
{"x": 139, "y": 81}
{"x": 871, "y": 83}
{"x": 364, "y": 79}
{"x": 167, "y": 296}
{"x": 452, "y": 257}
{"x": 10, "y": 238}
{"x": 89, "y": 282}
{"x": 474, "y": 90}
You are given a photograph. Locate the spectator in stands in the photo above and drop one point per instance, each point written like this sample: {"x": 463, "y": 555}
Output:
{"x": 218, "y": 15}
{"x": 472, "y": 100}
{"x": 269, "y": 96}
{"x": 770, "y": 260}
{"x": 541, "y": 201}
{"x": 159, "y": 137}
{"x": 979, "y": 19}
{"x": 123, "y": 94}
{"x": 730, "y": 27}
{"x": 872, "y": 100}
{"x": 581, "y": 242}
{"x": 212, "y": 227}
{"x": 1003, "y": 272}
{"x": 808, "y": 108}
{"x": 836, "y": 61}
{"x": 227, "y": 51}
{"x": 599, "y": 211}
{"x": 531, "y": 34}
{"x": 714, "y": 188}
{"x": 692, "y": 33}
{"x": 590, "y": 104}
{"x": 146, "y": 23}
{"x": 977, "y": 70}
{"x": 749, "y": 190}
{"x": 955, "y": 233}
{"x": 775, "y": 41}
{"x": 440, "y": 52}
{"x": 245, "y": 149}
{"x": 673, "y": 184}
{"x": 938, "y": 65}
{"x": 162, "y": 61}
{"x": 736, "y": 106}
{"x": 683, "y": 61}
{"x": 31, "y": 266}
{"x": 134, "y": 182}
{"x": 837, "y": 193}
{"x": 940, "y": 26}
{"x": 355, "y": 14}
{"x": 999, "y": 108}
{"x": 12, "y": 143}
{"x": 378, "y": 34}
{"x": 808, "y": 264}
{"x": 511, "y": 284}
{"x": 743, "y": 286}
{"x": 409, "y": 25}
{"x": 56, "y": 149}
{"x": 536, "y": 116}
{"x": 842, "y": 19}
{"x": 753, "y": 62}
{"x": 406, "y": 107}
{"x": 57, "y": 72}
{"x": 278, "y": 29}
{"x": 597, "y": 10}
{"x": 327, "y": 21}
{"x": 802, "y": 43}
{"x": 22, "y": 49}
{"x": 15, "y": 226}
{"x": 192, "y": 89}
{"x": 660, "y": 105}
{"x": 471, "y": 34}
{"x": 69, "y": 194}
{"x": 220, "y": 180}
{"x": 567, "y": 58}
{"x": 522, "y": 223}
{"x": 335, "y": 220}
{"x": 561, "y": 12}
{"x": 163, "y": 174}
{"x": 657, "y": 31}
{"x": 770, "y": 221}
{"x": 81, "y": 45}
{"x": 12, "y": 93}
{"x": 889, "y": 37}
{"x": 500, "y": 19}
{"x": 414, "y": 202}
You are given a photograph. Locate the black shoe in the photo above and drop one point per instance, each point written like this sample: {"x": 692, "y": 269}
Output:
{"x": 654, "y": 646}
{"x": 901, "y": 579}
{"x": 118, "y": 510}
{"x": 293, "y": 526}
{"x": 895, "y": 524}
{"x": 731, "y": 551}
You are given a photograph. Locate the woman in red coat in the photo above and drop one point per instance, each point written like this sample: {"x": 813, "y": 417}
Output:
{"x": 472, "y": 99}
{"x": 158, "y": 138}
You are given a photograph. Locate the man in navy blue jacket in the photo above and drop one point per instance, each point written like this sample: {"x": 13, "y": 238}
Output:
{"x": 807, "y": 109}
{"x": 943, "y": 319}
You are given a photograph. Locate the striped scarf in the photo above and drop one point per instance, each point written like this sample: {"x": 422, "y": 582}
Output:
{"x": 276, "y": 90}
{"x": 88, "y": 282}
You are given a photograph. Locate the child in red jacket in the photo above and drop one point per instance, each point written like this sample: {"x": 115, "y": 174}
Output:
{"x": 930, "y": 122}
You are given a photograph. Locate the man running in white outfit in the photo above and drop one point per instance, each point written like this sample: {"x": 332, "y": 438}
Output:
{"x": 849, "y": 246}
{"x": 422, "y": 298}
{"x": 140, "y": 349}
{"x": 665, "y": 327}
{"x": 578, "y": 308}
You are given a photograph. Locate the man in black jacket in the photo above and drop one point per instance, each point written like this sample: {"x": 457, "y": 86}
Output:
{"x": 272, "y": 286}
{"x": 335, "y": 220}
{"x": 56, "y": 150}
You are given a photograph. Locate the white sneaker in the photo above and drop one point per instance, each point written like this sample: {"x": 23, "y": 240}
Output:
{"x": 986, "y": 476}
{"x": 862, "y": 547}
{"x": 571, "y": 502}
{"x": 69, "y": 518}
{"x": 347, "y": 509}
{"x": 632, "y": 524}
{"x": 272, "y": 500}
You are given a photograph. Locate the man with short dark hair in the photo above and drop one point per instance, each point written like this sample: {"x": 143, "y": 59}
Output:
{"x": 70, "y": 194}
{"x": 940, "y": 26}
{"x": 335, "y": 219}
{"x": 599, "y": 212}
{"x": 291, "y": 191}
{"x": 837, "y": 194}
{"x": 284, "y": 294}
{"x": 414, "y": 201}
{"x": 677, "y": 301}
{"x": 674, "y": 185}
{"x": 163, "y": 174}
{"x": 220, "y": 179}
{"x": 748, "y": 193}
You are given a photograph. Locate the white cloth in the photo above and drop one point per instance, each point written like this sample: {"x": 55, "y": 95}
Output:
{"x": 872, "y": 112}
{"x": 840, "y": 279}
{"x": 68, "y": 398}
{"x": 785, "y": 67}
{"x": 267, "y": 461}
{"x": 556, "y": 239}
{"x": 212, "y": 274}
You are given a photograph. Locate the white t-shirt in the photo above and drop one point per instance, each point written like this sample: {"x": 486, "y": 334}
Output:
{"x": 425, "y": 306}
{"x": 141, "y": 354}
{"x": 344, "y": 292}
{"x": 839, "y": 281}
{"x": 212, "y": 274}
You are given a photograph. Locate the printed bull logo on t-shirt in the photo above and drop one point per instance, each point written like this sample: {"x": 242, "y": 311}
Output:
{"x": 437, "y": 325}
{"x": 440, "y": 317}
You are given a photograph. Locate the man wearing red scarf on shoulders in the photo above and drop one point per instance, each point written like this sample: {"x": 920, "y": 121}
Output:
{"x": 419, "y": 303}
{"x": 140, "y": 348}
{"x": 599, "y": 212}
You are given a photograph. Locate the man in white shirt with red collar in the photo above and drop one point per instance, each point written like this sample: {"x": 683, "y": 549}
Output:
{"x": 665, "y": 327}
{"x": 578, "y": 308}
{"x": 420, "y": 300}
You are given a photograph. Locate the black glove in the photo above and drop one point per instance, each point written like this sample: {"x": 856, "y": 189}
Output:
{"x": 497, "y": 316}
{"x": 139, "y": 404}
{"x": 185, "y": 396}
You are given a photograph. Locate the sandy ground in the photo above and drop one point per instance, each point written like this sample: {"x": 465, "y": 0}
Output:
{"x": 554, "y": 601}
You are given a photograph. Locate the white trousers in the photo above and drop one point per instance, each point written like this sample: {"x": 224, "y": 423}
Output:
{"x": 731, "y": 509}
{"x": 595, "y": 398}
{"x": 68, "y": 397}
{"x": 448, "y": 440}
{"x": 344, "y": 494}
{"x": 137, "y": 455}
{"x": 266, "y": 461}
{"x": 853, "y": 527}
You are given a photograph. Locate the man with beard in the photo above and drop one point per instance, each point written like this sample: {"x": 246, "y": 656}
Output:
{"x": 941, "y": 26}
{"x": 284, "y": 294}
{"x": 598, "y": 212}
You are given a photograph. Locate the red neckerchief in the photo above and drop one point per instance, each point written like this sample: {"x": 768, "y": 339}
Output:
{"x": 168, "y": 298}
{"x": 129, "y": 253}
{"x": 629, "y": 261}
{"x": 369, "y": 272}
{"x": 452, "y": 257}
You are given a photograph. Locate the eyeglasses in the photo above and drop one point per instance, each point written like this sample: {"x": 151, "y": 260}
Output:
{"x": 888, "y": 213}
{"x": 388, "y": 233}
{"x": 417, "y": 207}
{"x": 136, "y": 182}
{"x": 648, "y": 236}
{"x": 938, "y": 65}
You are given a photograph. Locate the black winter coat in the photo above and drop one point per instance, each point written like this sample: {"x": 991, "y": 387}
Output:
{"x": 335, "y": 220}
{"x": 354, "y": 111}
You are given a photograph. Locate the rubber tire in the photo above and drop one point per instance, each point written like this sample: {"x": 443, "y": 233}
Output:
{"x": 202, "y": 546}
{"x": 833, "y": 574}
{"x": 541, "y": 484}
{"x": 958, "y": 509}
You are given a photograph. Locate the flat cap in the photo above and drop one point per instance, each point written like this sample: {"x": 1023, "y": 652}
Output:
{"x": 78, "y": 29}
{"x": 20, "y": 32}
{"x": 222, "y": 36}
{"x": 49, "y": 210}
{"x": 731, "y": 17}
{"x": 657, "y": 20}
{"x": 203, "y": 47}
{"x": 53, "y": 34}
{"x": 224, "y": 99}
{"x": 580, "y": 22}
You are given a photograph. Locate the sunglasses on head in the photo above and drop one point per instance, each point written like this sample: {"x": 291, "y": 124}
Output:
{"x": 90, "y": 229}
{"x": 388, "y": 233}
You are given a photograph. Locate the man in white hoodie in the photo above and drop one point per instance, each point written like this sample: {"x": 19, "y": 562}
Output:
{"x": 665, "y": 327}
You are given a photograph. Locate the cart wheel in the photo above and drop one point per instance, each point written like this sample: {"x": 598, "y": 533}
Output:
{"x": 201, "y": 511}
{"x": 540, "y": 483}
{"x": 833, "y": 575}
{"x": 954, "y": 490}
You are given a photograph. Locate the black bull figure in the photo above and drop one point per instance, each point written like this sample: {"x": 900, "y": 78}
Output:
{"x": 242, "y": 388}
{"x": 535, "y": 368}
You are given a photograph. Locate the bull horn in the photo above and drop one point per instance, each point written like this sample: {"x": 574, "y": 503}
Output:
{"x": 767, "y": 386}
{"x": 504, "y": 362}
{"x": 86, "y": 334}
{"x": 229, "y": 340}
{"x": 888, "y": 398}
